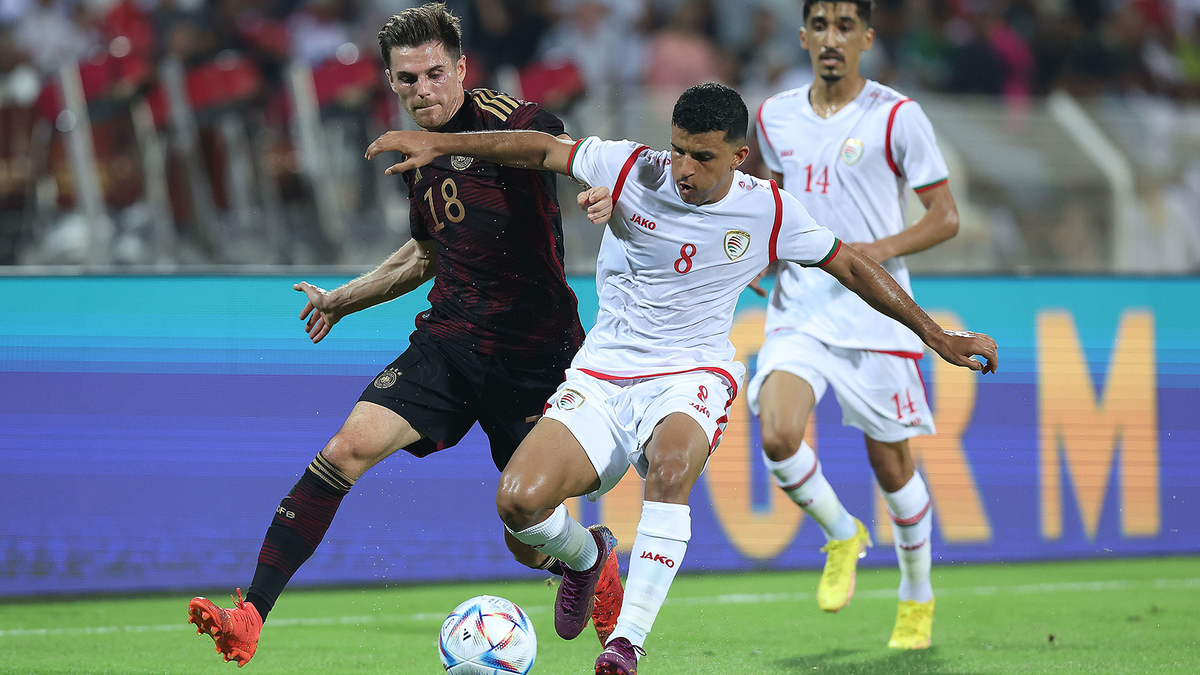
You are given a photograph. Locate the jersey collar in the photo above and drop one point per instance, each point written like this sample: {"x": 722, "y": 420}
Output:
{"x": 806, "y": 105}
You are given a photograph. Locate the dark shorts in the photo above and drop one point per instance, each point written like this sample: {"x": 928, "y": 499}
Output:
{"x": 442, "y": 389}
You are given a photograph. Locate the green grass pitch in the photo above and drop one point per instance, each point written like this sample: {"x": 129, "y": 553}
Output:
{"x": 1115, "y": 616}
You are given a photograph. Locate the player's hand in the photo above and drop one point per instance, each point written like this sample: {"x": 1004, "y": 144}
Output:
{"x": 756, "y": 285}
{"x": 416, "y": 146}
{"x": 871, "y": 249}
{"x": 958, "y": 346}
{"x": 319, "y": 310}
{"x": 598, "y": 204}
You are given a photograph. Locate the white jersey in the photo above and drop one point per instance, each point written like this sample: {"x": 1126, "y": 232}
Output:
{"x": 669, "y": 285}
{"x": 851, "y": 172}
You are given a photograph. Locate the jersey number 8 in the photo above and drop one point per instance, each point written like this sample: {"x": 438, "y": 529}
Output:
{"x": 684, "y": 264}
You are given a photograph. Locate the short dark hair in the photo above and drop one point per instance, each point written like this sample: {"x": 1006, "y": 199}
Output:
{"x": 864, "y": 8}
{"x": 415, "y": 26}
{"x": 712, "y": 107}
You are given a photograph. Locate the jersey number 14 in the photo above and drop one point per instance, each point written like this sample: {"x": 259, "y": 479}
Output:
{"x": 822, "y": 180}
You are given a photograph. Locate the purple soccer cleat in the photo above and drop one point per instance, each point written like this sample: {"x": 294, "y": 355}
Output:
{"x": 577, "y": 592}
{"x": 620, "y": 657}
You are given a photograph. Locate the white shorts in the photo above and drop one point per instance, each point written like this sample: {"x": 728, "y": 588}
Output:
{"x": 881, "y": 394}
{"x": 613, "y": 419}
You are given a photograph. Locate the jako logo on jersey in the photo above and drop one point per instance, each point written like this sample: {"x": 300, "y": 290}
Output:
{"x": 569, "y": 400}
{"x": 659, "y": 558}
{"x": 638, "y": 220}
{"x": 787, "y": 153}
{"x": 736, "y": 243}
{"x": 852, "y": 151}
{"x": 460, "y": 163}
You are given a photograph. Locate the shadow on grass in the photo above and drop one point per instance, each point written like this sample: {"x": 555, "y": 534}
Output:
{"x": 842, "y": 662}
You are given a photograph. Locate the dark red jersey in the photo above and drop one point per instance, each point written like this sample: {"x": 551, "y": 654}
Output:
{"x": 500, "y": 285}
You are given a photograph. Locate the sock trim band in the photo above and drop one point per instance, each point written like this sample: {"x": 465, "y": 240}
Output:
{"x": 804, "y": 480}
{"x": 909, "y": 522}
{"x": 550, "y": 561}
{"x": 332, "y": 475}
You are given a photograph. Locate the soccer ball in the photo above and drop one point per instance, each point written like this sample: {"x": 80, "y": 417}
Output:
{"x": 487, "y": 636}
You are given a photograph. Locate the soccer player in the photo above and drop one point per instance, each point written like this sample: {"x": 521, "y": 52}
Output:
{"x": 653, "y": 382}
{"x": 848, "y": 148}
{"x": 501, "y": 331}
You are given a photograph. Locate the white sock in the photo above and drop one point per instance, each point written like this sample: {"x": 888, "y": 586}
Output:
{"x": 801, "y": 478}
{"x": 563, "y": 537}
{"x": 912, "y": 524}
{"x": 662, "y": 538}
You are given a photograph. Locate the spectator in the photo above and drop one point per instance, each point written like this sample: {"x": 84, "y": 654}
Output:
{"x": 601, "y": 38}
{"x": 320, "y": 28}
{"x": 54, "y": 32}
{"x": 681, "y": 55}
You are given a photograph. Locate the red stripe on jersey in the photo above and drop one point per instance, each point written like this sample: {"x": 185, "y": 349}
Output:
{"x": 726, "y": 376}
{"x": 616, "y": 194}
{"x": 926, "y": 188}
{"x": 915, "y": 356}
{"x": 887, "y": 142}
{"x": 763, "y": 128}
{"x": 778, "y": 221}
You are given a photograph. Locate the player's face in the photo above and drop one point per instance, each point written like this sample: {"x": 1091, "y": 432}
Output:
{"x": 835, "y": 38}
{"x": 702, "y": 164}
{"x": 428, "y": 82}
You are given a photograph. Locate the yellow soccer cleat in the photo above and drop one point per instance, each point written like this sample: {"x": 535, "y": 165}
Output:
{"x": 914, "y": 625}
{"x": 841, "y": 565}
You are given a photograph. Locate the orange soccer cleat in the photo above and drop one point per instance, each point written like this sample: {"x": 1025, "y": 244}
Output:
{"x": 609, "y": 596}
{"x": 235, "y": 631}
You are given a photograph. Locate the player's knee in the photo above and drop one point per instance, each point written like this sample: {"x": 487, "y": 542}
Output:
{"x": 518, "y": 506}
{"x": 780, "y": 441}
{"x": 670, "y": 478}
{"x": 352, "y": 456}
{"x": 889, "y": 472}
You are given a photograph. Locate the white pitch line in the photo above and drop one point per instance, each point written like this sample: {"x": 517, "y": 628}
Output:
{"x": 726, "y": 599}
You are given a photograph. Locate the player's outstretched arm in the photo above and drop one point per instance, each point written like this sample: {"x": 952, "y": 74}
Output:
{"x": 403, "y": 271}
{"x": 517, "y": 149}
{"x": 872, "y": 283}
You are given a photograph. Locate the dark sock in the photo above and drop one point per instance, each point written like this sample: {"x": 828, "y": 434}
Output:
{"x": 299, "y": 525}
{"x": 553, "y": 566}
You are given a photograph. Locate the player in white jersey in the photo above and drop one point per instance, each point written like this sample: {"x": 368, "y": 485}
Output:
{"x": 848, "y": 148}
{"x": 654, "y": 380}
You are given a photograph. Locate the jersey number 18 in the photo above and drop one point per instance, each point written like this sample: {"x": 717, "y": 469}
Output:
{"x": 453, "y": 209}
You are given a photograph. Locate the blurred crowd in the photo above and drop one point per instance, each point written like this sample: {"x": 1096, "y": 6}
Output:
{"x": 139, "y": 59}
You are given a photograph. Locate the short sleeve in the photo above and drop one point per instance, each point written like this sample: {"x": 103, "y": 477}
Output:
{"x": 533, "y": 117}
{"x": 595, "y": 162}
{"x": 417, "y": 226}
{"x": 765, "y": 148}
{"x": 915, "y": 150}
{"x": 801, "y": 239}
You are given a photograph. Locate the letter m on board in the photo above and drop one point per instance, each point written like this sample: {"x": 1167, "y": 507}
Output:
{"x": 1082, "y": 426}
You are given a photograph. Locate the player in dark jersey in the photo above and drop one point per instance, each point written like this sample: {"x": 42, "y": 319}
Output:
{"x": 493, "y": 347}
